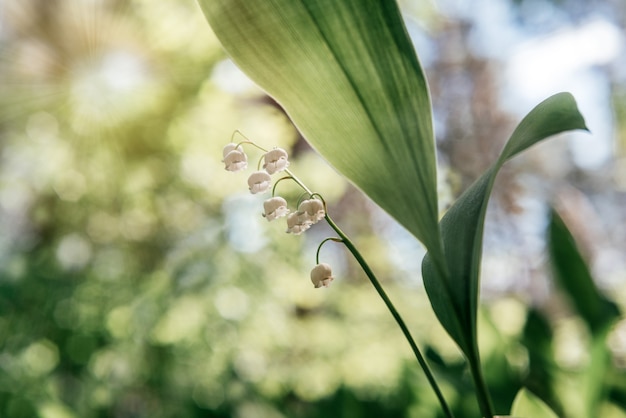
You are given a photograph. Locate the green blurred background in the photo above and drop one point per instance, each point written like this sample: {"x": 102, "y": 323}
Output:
{"x": 138, "y": 278}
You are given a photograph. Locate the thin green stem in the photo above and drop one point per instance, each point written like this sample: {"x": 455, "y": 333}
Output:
{"x": 381, "y": 292}
{"x": 405, "y": 330}
{"x": 278, "y": 181}
{"x": 319, "y": 247}
{"x": 482, "y": 394}
{"x": 298, "y": 181}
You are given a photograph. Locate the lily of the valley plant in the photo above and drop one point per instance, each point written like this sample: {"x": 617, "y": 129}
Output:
{"x": 347, "y": 74}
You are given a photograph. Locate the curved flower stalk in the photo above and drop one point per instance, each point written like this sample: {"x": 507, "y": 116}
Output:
{"x": 310, "y": 211}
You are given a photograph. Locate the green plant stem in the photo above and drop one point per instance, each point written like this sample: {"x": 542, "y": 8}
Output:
{"x": 359, "y": 258}
{"x": 482, "y": 394}
{"x": 381, "y": 292}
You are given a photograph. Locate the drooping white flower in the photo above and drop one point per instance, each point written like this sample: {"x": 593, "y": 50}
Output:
{"x": 275, "y": 160}
{"x": 235, "y": 159}
{"x": 231, "y": 147}
{"x": 313, "y": 209}
{"x": 259, "y": 181}
{"x": 275, "y": 207}
{"x": 322, "y": 275}
{"x": 297, "y": 223}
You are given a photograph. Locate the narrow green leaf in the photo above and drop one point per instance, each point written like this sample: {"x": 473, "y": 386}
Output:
{"x": 346, "y": 73}
{"x": 527, "y": 405}
{"x": 455, "y": 298}
{"x": 572, "y": 275}
{"x": 538, "y": 337}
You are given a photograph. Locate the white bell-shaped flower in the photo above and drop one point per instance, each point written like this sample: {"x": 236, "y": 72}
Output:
{"x": 235, "y": 159}
{"x": 275, "y": 160}
{"x": 297, "y": 223}
{"x": 276, "y": 207}
{"x": 231, "y": 147}
{"x": 259, "y": 181}
{"x": 322, "y": 275}
{"x": 313, "y": 208}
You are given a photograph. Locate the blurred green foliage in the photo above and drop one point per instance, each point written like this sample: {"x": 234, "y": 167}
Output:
{"x": 138, "y": 279}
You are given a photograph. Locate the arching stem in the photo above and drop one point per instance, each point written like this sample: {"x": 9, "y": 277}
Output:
{"x": 396, "y": 315}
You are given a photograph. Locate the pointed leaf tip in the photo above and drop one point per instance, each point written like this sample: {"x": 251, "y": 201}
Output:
{"x": 455, "y": 298}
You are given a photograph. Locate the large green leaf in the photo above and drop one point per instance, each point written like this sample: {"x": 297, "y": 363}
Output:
{"x": 346, "y": 73}
{"x": 455, "y": 297}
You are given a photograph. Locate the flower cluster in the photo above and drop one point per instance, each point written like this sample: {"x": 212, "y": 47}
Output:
{"x": 309, "y": 211}
{"x": 275, "y": 161}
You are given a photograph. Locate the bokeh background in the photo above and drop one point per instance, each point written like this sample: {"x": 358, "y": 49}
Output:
{"x": 138, "y": 278}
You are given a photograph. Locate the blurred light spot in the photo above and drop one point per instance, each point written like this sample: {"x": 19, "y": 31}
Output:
{"x": 100, "y": 80}
{"x": 568, "y": 61}
{"x": 139, "y": 180}
{"x": 100, "y": 397}
{"x": 194, "y": 168}
{"x": 35, "y": 60}
{"x": 109, "y": 365}
{"x": 517, "y": 357}
{"x": 570, "y": 342}
{"x": 42, "y": 125}
{"x": 250, "y": 365}
{"x": 54, "y": 410}
{"x": 111, "y": 88}
{"x": 40, "y": 358}
{"x": 122, "y": 71}
{"x": 102, "y": 227}
{"x": 503, "y": 269}
{"x": 243, "y": 223}
{"x": 620, "y": 174}
{"x": 110, "y": 264}
{"x": 119, "y": 322}
{"x": 73, "y": 252}
{"x": 15, "y": 197}
{"x": 137, "y": 224}
{"x": 509, "y": 315}
{"x": 70, "y": 185}
{"x": 208, "y": 396}
{"x": 183, "y": 319}
{"x": 14, "y": 269}
{"x": 540, "y": 63}
{"x": 181, "y": 214}
{"x": 256, "y": 410}
{"x": 231, "y": 79}
{"x": 370, "y": 363}
{"x": 316, "y": 380}
{"x": 617, "y": 343}
{"x": 232, "y": 303}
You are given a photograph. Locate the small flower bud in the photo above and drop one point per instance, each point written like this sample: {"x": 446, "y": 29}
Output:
{"x": 275, "y": 160}
{"x": 259, "y": 181}
{"x": 275, "y": 207}
{"x": 235, "y": 160}
{"x": 297, "y": 223}
{"x": 313, "y": 208}
{"x": 322, "y": 275}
